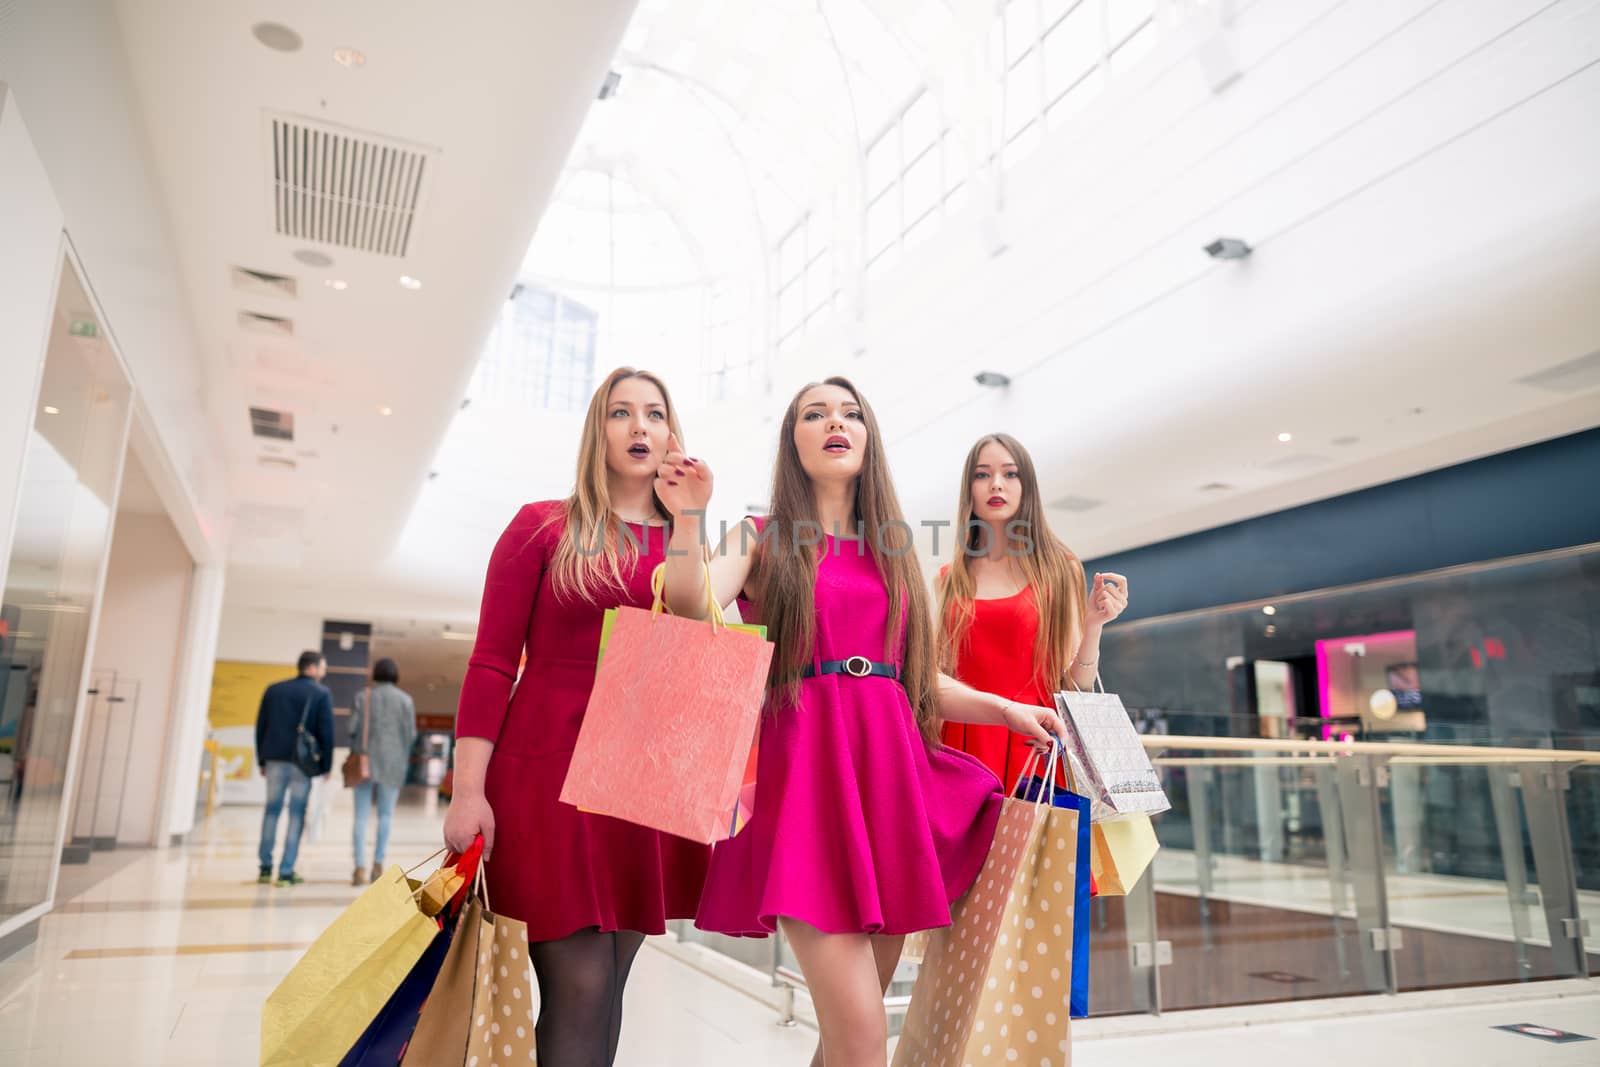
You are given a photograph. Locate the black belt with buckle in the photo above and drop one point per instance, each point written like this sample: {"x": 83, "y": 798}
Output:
{"x": 854, "y": 666}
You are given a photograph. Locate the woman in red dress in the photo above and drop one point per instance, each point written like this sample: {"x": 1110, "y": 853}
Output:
{"x": 1016, "y": 619}
{"x": 589, "y": 887}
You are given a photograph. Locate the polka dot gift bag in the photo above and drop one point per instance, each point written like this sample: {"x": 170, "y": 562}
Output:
{"x": 482, "y": 1010}
{"x": 996, "y": 986}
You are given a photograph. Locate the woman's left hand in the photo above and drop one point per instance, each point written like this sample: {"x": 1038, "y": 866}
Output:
{"x": 1108, "y": 599}
{"x": 1040, "y": 725}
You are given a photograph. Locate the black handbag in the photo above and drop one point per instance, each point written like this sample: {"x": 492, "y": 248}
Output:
{"x": 307, "y": 753}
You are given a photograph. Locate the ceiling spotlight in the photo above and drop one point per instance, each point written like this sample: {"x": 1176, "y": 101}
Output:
{"x": 409, "y": 282}
{"x": 608, "y": 88}
{"x": 1228, "y": 248}
{"x": 1272, "y": 630}
{"x": 277, "y": 36}
{"x": 1286, "y": 437}
{"x": 992, "y": 378}
{"x": 349, "y": 57}
{"x": 337, "y": 284}
{"x": 1269, "y": 610}
{"x": 51, "y": 409}
{"x": 384, "y": 409}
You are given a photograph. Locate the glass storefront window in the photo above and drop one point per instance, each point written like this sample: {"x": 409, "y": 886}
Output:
{"x": 65, "y": 511}
{"x": 1505, "y": 653}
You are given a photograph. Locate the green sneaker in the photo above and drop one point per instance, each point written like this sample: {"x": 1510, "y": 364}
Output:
{"x": 265, "y": 877}
{"x": 287, "y": 880}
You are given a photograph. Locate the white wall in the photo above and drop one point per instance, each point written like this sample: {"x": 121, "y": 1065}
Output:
{"x": 141, "y": 630}
{"x": 267, "y": 635}
{"x": 66, "y": 64}
{"x": 30, "y": 263}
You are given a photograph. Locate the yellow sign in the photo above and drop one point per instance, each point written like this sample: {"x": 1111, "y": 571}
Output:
{"x": 236, "y": 690}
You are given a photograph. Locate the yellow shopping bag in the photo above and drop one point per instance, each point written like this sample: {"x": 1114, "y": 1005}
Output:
{"x": 1120, "y": 853}
{"x": 346, "y": 977}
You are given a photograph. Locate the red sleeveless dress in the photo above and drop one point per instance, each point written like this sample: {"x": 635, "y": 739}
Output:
{"x": 998, "y": 657}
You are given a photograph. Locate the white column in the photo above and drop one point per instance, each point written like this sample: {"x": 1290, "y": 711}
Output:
{"x": 192, "y": 699}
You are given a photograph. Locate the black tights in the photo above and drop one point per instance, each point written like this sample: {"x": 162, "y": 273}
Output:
{"x": 580, "y": 996}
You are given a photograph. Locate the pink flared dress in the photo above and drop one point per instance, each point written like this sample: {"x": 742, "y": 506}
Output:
{"x": 860, "y": 826}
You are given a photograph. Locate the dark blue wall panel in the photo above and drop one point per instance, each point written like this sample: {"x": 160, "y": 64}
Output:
{"x": 1533, "y": 499}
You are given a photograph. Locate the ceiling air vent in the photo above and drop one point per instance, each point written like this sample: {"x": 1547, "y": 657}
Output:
{"x": 275, "y": 425}
{"x": 275, "y": 325}
{"x": 345, "y": 188}
{"x": 263, "y": 283}
{"x": 1076, "y": 503}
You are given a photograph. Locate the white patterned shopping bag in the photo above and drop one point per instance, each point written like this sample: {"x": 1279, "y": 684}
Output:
{"x": 1109, "y": 763}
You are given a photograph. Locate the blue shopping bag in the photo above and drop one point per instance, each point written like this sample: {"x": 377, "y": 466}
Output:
{"x": 384, "y": 1040}
{"x": 1038, "y": 789}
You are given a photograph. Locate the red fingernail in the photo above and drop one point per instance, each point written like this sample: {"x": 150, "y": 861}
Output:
{"x": 672, "y": 483}
{"x": 691, "y": 462}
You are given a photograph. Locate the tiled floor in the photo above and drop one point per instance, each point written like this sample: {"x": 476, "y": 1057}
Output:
{"x": 168, "y": 959}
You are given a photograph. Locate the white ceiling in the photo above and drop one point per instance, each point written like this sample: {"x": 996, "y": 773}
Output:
{"x": 1422, "y": 184}
{"x": 494, "y": 91}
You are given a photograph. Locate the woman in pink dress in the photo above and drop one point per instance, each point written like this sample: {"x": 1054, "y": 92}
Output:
{"x": 589, "y": 887}
{"x": 865, "y": 828}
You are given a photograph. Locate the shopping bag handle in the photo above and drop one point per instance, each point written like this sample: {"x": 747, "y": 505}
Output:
{"x": 1098, "y": 686}
{"x": 658, "y": 589}
{"x": 1034, "y": 756}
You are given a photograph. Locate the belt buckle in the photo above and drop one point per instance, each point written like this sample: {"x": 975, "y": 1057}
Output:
{"x": 858, "y": 666}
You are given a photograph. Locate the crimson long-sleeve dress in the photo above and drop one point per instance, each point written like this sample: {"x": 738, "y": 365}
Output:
{"x": 556, "y": 868}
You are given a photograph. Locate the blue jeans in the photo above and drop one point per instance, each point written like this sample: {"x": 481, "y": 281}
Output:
{"x": 284, "y": 779}
{"x": 387, "y": 795}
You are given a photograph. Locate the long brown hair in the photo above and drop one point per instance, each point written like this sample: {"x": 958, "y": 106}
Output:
{"x": 1049, "y": 566}
{"x": 785, "y": 574}
{"x": 589, "y": 518}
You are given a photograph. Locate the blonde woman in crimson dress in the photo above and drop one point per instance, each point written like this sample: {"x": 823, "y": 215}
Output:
{"x": 1015, "y": 616}
{"x": 865, "y": 828}
{"x": 589, "y": 887}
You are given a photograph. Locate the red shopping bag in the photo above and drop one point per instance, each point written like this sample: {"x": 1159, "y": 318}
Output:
{"x": 667, "y": 738}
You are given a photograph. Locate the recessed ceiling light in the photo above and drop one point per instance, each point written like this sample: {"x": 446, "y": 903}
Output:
{"x": 349, "y": 57}
{"x": 51, "y": 410}
{"x": 1346, "y": 441}
{"x": 277, "y": 36}
{"x": 312, "y": 258}
{"x": 1286, "y": 437}
{"x": 1269, "y": 610}
{"x": 384, "y": 409}
{"x": 992, "y": 378}
{"x": 409, "y": 282}
{"x": 337, "y": 283}
{"x": 1272, "y": 630}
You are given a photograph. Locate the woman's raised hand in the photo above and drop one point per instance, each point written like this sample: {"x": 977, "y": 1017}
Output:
{"x": 682, "y": 482}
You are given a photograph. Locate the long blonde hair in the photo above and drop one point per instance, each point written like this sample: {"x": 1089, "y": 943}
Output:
{"x": 785, "y": 574}
{"x": 590, "y": 522}
{"x": 1048, "y": 565}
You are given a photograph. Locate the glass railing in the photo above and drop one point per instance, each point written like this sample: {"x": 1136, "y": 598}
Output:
{"x": 1304, "y": 869}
